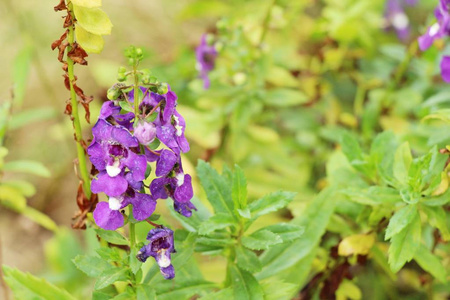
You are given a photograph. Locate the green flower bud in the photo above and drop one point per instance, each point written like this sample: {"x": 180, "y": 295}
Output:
{"x": 113, "y": 92}
{"x": 163, "y": 89}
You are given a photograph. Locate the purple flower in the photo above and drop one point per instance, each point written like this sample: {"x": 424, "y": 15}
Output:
{"x": 206, "y": 56}
{"x": 110, "y": 152}
{"x": 445, "y": 68}
{"x": 172, "y": 133}
{"x": 184, "y": 209}
{"x": 160, "y": 247}
{"x": 107, "y": 215}
{"x": 110, "y": 109}
{"x": 439, "y": 29}
{"x": 145, "y": 132}
{"x": 397, "y": 18}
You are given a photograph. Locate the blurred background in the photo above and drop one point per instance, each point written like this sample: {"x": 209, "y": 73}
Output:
{"x": 315, "y": 54}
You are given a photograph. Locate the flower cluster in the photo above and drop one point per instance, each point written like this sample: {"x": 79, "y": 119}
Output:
{"x": 125, "y": 142}
{"x": 439, "y": 30}
{"x": 206, "y": 55}
{"x": 396, "y": 17}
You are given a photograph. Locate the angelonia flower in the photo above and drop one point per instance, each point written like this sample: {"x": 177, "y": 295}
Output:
{"x": 396, "y": 17}
{"x": 206, "y": 55}
{"x": 123, "y": 145}
{"x": 160, "y": 247}
{"x": 440, "y": 29}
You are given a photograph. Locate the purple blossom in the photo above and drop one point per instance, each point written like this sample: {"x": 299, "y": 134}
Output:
{"x": 110, "y": 152}
{"x": 160, "y": 247}
{"x": 396, "y": 17}
{"x": 145, "y": 132}
{"x": 172, "y": 133}
{"x": 107, "y": 215}
{"x": 206, "y": 56}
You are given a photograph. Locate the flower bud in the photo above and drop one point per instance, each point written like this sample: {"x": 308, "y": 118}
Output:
{"x": 145, "y": 132}
{"x": 113, "y": 92}
{"x": 163, "y": 89}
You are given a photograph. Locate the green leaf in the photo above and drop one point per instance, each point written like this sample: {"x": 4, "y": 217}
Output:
{"x": 145, "y": 292}
{"x": 181, "y": 288}
{"x": 92, "y": 266}
{"x": 402, "y": 162}
{"x": 279, "y": 76}
{"x": 239, "y": 188}
{"x": 247, "y": 260}
{"x": 287, "y": 232}
{"x": 438, "y": 219}
{"x": 217, "y": 221}
{"x": 29, "y": 116}
{"x": 400, "y": 220}
{"x": 315, "y": 220}
{"x": 21, "y": 69}
{"x": 351, "y": 148}
{"x": 261, "y": 239}
{"x": 284, "y": 97}
{"x": 224, "y": 294}
{"x": 270, "y": 203}
{"x": 430, "y": 263}
{"x": 111, "y": 275}
{"x": 373, "y": 196}
{"x": 27, "y": 286}
{"x": 216, "y": 188}
{"x": 27, "y": 166}
{"x": 404, "y": 244}
{"x": 39, "y": 218}
{"x": 244, "y": 285}
{"x": 26, "y": 188}
{"x": 135, "y": 264}
{"x": 126, "y": 106}
{"x": 90, "y": 42}
{"x": 88, "y": 3}
{"x": 12, "y": 198}
{"x": 112, "y": 237}
{"x": 93, "y": 20}
{"x": 278, "y": 290}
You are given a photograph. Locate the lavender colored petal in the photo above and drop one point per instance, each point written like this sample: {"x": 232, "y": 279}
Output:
{"x": 445, "y": 68}
{"x": 97, "y": 156}
{"x": 106, "y": 218}
{"x": 135, "y": 185}
{"x": 122, "y": 136}
{"x": 166, "y": 162}
{"x": 184, "y": 209}
{"x": 152, "y": 156}
{"x": 102, "y": 130}
{"x": 111, "y": 186}
{"x": 125, "y": 120}
{"x": 157, "y": 187}
{"x": 108, "y": 109}
{"x": 137, "y": 165}
{"x": 166, "y": 134}
{"x": 143, "y": 206}
{"x": 171, "y": 102}
{"x": 184, "y": 192}
{"x": 168, "y": 272}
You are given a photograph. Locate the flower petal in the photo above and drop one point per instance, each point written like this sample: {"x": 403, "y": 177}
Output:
{"x": 111, "y": 186}
{"x": 106, "y": 218}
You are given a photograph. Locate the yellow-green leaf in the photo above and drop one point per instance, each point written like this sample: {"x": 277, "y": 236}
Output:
{"x": 88, "y": 3}
{"x": 92, "y": 43}
{"x": 93, "y": 20}
{"x": 356, "y": 244}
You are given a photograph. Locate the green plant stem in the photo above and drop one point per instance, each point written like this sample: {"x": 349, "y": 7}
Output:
{"x": 266, "y": 23}
{"x": 136, "y": 91}
{"x": 84, "y": 172}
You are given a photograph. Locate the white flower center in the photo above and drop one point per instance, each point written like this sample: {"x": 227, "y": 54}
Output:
{"x": 163, "y": 261}
{"x": 114, "y": 169}
{"x": 115, "y": 203}
{"x": 434, "y": 29}
{"x": 400, "y": 21}
{"x": 177, "y": 126}
{"x": 180, "y": 179}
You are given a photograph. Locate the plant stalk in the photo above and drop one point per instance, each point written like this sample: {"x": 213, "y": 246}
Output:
{"x": 84, "y": 172}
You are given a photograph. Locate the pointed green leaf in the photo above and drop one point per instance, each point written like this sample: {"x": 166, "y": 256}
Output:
{"x": 245, "y": 286}
{"x": 400, "y": 220}
{"x": 270, "y": 203}
{"x": 262, "y": 239}
{"x": 217, "y": 221}
{"x": 216, "y": 188}
{"x": 25, "y": 187}
{"x": 135, "y": 264}
{"x": 93, "y": 20}
{"x": 182, "y": 288}
{"x": 112, "y": 237}
{"x": 239, "y": 188}
{"x": 109, "y": 276}
{"x": 27, "y": 166}
{"x": 224, "y": 294}
{"x": 21, "y": 69}
{"x": 247, "y": 260}
{"x": 404, "y": 244}
{"x": 402, "y": 162}
{"x": 278, "y": 290}
{"x": 12, "y": 198}
{"x": 92, "y": 266}
{"x": 145, "y": 292}
{"x": 430, "y": 263}
{"x": 27, "y": 286}
{"x": 438, "y": 219}
{"x": 287, "y": 232}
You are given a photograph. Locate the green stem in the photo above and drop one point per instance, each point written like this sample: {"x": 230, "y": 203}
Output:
{"x": 132, "y": 230}
{"x": 84, "y": 172}
{"x": 136, "y": 91}
{"x": 266, "y": 23}
{"x": 412, "y": 49}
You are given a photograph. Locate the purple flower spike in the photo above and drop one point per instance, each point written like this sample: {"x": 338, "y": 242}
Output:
{"x": 160, "y": 247}
{"x": 206, "y": 56}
